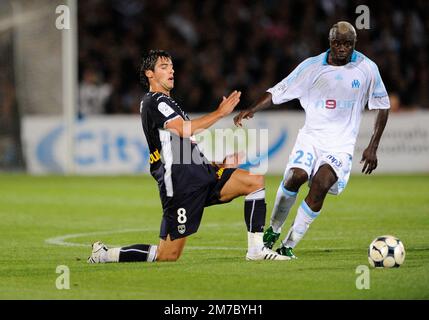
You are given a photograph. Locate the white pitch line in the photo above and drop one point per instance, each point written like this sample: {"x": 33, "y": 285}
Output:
{"x": 61, "y": 240}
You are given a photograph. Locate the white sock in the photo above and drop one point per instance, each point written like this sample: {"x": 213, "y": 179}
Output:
{"x": 112, "y": 255}
{"x": 256, "y": 195}
{"x": 285, "y": 199}
{"x": 304, "y": 218}
{"x": 153, "y": 252}
{"x": 254, "y": 242}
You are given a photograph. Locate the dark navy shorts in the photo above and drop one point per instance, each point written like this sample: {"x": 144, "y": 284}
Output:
{"x": 183, "y": 212}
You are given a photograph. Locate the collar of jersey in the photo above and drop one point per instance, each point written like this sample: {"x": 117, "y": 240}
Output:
{"x": 325, "y": 59}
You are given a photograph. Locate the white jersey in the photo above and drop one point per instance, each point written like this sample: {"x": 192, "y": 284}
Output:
{"x": 333, "y": 98}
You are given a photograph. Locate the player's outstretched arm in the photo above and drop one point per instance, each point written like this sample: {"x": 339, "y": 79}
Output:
{"x": 186, "y": 129}
{"x": 262, "y": 103}
{"x": 369, "y": 156}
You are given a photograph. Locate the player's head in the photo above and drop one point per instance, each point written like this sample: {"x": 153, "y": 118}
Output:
{"x": 156, "y": 70}
{"x": 342, "y": 40}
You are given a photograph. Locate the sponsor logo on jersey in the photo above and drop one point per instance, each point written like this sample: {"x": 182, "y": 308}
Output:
{"x": 335, "y": 104}
{"x": 219, "y": 173}
{"x": 336, "y": 162}
{"x": 154, "y": 156}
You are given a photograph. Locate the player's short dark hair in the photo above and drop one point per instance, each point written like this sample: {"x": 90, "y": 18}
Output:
{"x": 148, "y": 63}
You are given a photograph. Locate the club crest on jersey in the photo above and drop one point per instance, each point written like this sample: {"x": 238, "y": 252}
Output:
{"x": 181, "y": 228}
{"x": 355, "y": 84}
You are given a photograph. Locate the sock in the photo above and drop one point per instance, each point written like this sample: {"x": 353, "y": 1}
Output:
{"x": 254, "y": 242}
{"x": 255, "y": 210}
{"x": 285, "y": 199}
{"x": 138, "y": 253}
{"x": 304, "y": 218}
{"x": 134, "y": 253}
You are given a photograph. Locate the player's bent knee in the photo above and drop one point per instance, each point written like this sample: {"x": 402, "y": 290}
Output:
{"x": 170, "y": 250}
{"x": 173, "y": 257}
{"x": 299, "y": 176}
{"x": 168, "y": 256}
{"x": 296, "y": 179}
{"x": 257, "y": 182}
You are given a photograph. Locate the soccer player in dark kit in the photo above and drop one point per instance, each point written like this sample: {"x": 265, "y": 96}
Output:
{"x": 187, "y": 181}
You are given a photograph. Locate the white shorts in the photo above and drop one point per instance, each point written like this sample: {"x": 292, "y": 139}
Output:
{"x": 310, "y": 158}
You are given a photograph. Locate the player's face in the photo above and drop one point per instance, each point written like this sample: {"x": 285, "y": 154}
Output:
{"x": 163, "y": 74}
{"x": 342, "y": 46}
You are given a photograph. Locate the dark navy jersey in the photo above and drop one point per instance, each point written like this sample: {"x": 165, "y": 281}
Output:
{"x": 176, "y": 163}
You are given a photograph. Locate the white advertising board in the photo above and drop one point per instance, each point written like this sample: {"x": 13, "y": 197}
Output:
{"x": 116, "y": 144}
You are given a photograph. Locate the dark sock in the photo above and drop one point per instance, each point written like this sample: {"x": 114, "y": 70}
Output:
{"x": 138, "y": 253}
{"x": 254, "y": 214}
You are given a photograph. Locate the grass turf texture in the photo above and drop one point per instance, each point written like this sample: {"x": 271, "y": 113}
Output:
{"x": 33, "y": 209}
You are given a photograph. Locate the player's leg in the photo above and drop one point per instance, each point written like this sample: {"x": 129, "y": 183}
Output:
{"x": 320, "y": 185}
{"x": 299, "y": 169}
{"x": 170, "y": 250}
{"x": 134, "y": 253}
{"x": 332, "y": 174}
{"x": 242, "y": 183}
{"x": 167, "y": 250}
{"x": 309, "y": 209}
{"x": 286, "y": 196}
{"x": 285, "y": 199}
{"x": 181, "y": 217}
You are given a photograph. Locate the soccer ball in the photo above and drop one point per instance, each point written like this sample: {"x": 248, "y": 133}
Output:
{"x": 386, "y": 252}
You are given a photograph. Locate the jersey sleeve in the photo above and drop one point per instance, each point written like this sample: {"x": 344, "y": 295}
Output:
{"x": 378, "y": 97}
{"x": 293, "y": 86}
{"x": 161, "y": 113}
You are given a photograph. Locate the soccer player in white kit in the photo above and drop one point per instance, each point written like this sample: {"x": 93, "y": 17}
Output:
{"x": 333, "y": 89}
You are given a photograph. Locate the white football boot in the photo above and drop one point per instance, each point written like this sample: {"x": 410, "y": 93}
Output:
{"x": 266, "y": 254}
{"x": 99, "y": 252}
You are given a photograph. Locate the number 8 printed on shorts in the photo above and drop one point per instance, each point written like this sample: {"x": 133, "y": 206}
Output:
{"x": 181, "y": 216}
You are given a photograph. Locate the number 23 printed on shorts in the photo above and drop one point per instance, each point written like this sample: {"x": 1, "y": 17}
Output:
{"x": 303, "y": 157}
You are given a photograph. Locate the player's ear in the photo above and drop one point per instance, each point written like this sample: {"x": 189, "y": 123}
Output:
{"x": 149, "y": 74}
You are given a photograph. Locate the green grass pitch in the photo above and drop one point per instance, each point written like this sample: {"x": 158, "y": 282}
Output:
{"x": 74, "y": 211}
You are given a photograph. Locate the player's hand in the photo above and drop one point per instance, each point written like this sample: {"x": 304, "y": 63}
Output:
{"x": 246, "y": 114}
{"x": 228, "y": 104}
{"x": 369, "y": 160}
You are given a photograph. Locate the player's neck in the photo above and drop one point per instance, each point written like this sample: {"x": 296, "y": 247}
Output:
{"x": 337, "y": 63}
{"x": 159, "y": 89}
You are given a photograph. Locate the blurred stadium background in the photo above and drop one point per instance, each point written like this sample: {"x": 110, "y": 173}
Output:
{"x": 217, "y": 46}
